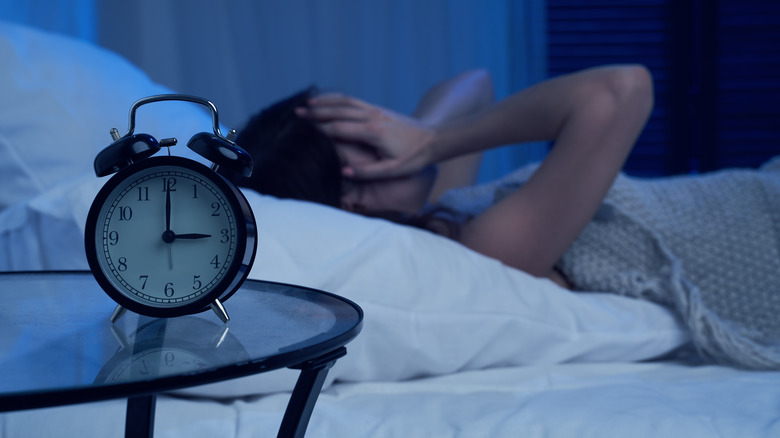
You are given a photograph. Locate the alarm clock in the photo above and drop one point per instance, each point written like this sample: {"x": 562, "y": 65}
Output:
{"x": 168, "y": 236}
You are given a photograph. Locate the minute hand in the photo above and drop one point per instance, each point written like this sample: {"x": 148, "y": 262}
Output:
{"x": 168, "y": 207}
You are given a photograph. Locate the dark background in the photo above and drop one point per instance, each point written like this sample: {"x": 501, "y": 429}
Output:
{"x": 716, "y": 66}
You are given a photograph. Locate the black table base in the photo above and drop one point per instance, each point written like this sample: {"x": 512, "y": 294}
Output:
{"x": 139, "y": 421}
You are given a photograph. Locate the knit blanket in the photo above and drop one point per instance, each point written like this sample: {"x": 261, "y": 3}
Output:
{"x": 706, "y": 246}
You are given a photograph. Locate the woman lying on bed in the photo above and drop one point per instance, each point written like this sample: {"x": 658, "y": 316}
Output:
{"x": 595, "y": 116}
{"x": 705, "y": 246}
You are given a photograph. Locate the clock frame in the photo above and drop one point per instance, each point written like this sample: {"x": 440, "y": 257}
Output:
{"x": 162, "y": 254}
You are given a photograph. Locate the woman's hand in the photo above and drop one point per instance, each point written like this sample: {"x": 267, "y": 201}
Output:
{"x": 402, "y": 143}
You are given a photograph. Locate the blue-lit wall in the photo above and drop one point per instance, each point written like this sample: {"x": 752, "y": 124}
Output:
{"x": 716, "y": 63}
{"x": 244, "y": 54}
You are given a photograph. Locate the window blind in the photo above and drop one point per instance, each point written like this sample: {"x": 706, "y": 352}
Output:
{"x": 716, "y": 69}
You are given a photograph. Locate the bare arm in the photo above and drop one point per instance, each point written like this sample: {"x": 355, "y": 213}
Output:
{"x": 345, "y": 118}
{"x": 594, "y": 117}
{"x": 464, "y": 94}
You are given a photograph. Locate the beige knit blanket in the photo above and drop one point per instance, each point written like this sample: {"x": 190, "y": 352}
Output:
{"x": 706, "y": 246}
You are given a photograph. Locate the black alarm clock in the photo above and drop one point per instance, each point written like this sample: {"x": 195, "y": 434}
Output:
{"x": 168, "y": 236}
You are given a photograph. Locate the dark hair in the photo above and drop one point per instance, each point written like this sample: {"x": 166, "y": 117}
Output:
{"x": 292, "y": 157}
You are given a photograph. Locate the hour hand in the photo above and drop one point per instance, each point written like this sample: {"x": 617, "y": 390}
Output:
{"x": 192, "y": 236}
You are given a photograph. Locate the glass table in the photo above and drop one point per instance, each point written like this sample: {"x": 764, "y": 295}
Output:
{"x": 58, "y": 347}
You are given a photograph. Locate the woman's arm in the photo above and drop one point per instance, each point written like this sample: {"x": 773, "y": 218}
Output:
{"x": 594, "y": 117}
{"x": 466, "y": 93}
{"x": 349, "y": 119}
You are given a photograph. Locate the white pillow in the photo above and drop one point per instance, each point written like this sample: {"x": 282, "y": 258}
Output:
{"x": 431, "y": 305}
{"x": 59, "y": 97}
{"x": 434, "y": 307}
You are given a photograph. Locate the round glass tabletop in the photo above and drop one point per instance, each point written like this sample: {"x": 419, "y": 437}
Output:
{"x": 57, "y": 345}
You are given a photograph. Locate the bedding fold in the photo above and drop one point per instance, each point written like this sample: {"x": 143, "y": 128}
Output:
{"x": 705, "y": 245}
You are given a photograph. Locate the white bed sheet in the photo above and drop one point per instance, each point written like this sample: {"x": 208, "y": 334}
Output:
{"x": 560, "y": 401}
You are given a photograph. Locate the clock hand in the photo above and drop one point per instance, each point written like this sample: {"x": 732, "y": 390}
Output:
{"x": 192, "y": 236}
{"x": 167, "y": 207}
{"x": 168, "y": 235}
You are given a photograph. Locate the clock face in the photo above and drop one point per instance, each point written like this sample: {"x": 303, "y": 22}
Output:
{"x": 168, "y": 236}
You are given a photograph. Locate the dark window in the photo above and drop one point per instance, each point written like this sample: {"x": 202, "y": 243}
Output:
{"x": 716, "y": 66}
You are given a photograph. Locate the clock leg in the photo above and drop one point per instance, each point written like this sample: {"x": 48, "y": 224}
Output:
{"x": 219, "y": 309}
{"x": 118, "y": 312}
{"x": 120, "y": 336}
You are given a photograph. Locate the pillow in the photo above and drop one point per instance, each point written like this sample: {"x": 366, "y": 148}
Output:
{"x": 431, "y": 305}
{"x": 434, "y": 307}
{"x": 59, "y": 97}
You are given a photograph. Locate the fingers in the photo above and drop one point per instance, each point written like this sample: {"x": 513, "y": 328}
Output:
{"x": 342, "y": 117}
{"x": 349, "y": 131}
{"x": 323, "y": 114}
{"x": 372, "y": 171}
{"x": 338, "y": 99}
{"x": 346, "y": 118}
{"x": 336, "y": 106}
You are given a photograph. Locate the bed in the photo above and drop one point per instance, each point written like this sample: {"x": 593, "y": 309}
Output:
{"x": 453, "y": 343}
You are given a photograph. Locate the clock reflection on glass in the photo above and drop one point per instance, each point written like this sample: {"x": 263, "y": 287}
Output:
{"x": 164, "y": 347}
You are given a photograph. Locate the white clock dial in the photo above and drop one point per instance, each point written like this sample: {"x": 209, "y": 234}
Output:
{"x": 167, "y": 236}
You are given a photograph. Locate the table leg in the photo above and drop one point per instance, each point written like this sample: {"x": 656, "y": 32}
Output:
{"x": 139, "y": 421}
{"x": 304, "y": 395}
